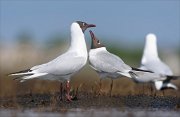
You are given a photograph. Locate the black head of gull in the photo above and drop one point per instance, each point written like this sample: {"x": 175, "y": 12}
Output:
{"x": 95, "y": 42}
{"x": 84, "y": 25}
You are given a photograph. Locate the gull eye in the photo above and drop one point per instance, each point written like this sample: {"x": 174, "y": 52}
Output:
{"x": 84, "y": 24}
{"x": 98, "y": 41}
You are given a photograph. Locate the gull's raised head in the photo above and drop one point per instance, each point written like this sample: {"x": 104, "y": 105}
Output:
{"x": 150, "y": 49}
{"x": 151, "y": 41}
{"x": 151, "y": 37}
{"x": 84, "y": 25}
{"x": 95, "y": 42}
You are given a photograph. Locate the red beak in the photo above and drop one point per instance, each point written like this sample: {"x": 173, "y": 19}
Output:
{"x": 91, "y": 25}
{"x": 92, "y": 35}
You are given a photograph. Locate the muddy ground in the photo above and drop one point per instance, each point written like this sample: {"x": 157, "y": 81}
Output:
{"x": 51, "y": 102}
{"x": 39, "y": 98}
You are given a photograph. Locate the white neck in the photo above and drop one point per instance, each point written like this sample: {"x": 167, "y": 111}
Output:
{"x": 78, "y": 43}
{"x": 150, "y": 49}
{"x": 98, "y": 49}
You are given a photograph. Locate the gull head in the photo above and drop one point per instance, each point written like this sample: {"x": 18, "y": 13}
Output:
{"x": 84, "y": 25}
{"x": 95, "y": 42}
{"x": 150, "y": 49}
{"x": 151, "y": 38}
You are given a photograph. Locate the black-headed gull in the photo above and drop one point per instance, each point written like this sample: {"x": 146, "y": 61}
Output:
{"x": 107, "y": 64}
{"x": 65, "y": 65}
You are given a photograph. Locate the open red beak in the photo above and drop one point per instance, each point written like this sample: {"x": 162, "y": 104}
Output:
{"x": 91, "y": 25}
{"x": 92, "y": 35}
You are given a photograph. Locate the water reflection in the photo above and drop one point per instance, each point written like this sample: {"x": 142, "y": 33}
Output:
{"x": 111, "y": 112}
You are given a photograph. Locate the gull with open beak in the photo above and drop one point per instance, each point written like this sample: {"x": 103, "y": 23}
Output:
{"x": 65, "y": 65}
{"x": 107, "y": 64}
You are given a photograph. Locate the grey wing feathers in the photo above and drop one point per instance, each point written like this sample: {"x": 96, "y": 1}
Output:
{"x": 108, "y": 62}
{"x": 62, "y": 65}
{"x": 158, "y": 67}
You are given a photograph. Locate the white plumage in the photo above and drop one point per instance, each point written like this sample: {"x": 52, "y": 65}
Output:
{"x": 65, "y": 65}
{"x": 104, "y": 62}
{"x": 151, "y": 61}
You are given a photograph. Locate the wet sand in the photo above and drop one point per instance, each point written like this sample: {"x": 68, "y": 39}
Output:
{"x": 88, "y": 100}
{"x": 90, "y": 105}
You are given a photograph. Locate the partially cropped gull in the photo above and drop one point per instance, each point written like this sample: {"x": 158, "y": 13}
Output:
{"x": 151, "y": 61}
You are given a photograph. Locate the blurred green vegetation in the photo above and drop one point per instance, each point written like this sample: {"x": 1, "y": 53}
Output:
{"x": 87, "y": 77}
{"x": 129, "y": 56}
{"x": 55, "y": 41}
{"x": 25, "y": 37}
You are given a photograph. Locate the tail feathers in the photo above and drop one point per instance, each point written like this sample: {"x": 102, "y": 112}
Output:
{"x": 33, "y": 76}
{"x": 136, "y": 69}
{"x": 173, "y": 77}
{"x": 21, "y": 73}
{"x": 126, "y": 74}
{"x": 133, "y": 75}
{"x": 160, "y": 85}
{"x": 27, "y": 77}
{"x": 169, "y": 86}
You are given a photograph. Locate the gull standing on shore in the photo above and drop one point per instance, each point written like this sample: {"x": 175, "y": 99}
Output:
{"x": 151, "y": 61}
{"x": 107, "y": 64}
{"x": 65, "y": 65}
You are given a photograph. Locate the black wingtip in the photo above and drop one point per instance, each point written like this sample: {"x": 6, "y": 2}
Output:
{"x": 165, "y": 88}
{"x": 23, "y": 71}
{"x": 132, "y": 74}
{"x": 136, "y": 69}
{"x": 173, "y": 77}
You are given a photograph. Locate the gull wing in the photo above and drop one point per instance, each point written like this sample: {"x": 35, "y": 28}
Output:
{"x": 65, "y": 64}
{"x": 107, "y": 62}
{"x": 158, "y": 66}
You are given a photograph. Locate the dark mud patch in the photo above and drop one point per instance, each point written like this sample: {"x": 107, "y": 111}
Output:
{"x": 51, "y": 102}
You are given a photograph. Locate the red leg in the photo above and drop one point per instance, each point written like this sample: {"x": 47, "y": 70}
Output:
{"x": 61, "y": 91}
{"x": 100, "y": 85}
{"x": 68, "y": 97}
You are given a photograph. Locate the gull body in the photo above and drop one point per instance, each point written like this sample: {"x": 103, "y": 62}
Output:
{"x": 150, "y": 61}
{"x": 107, "y": 64}
{"x": 65, "y": 65}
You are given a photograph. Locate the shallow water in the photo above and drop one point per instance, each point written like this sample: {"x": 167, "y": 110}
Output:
{"x": 101, "y": 112}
